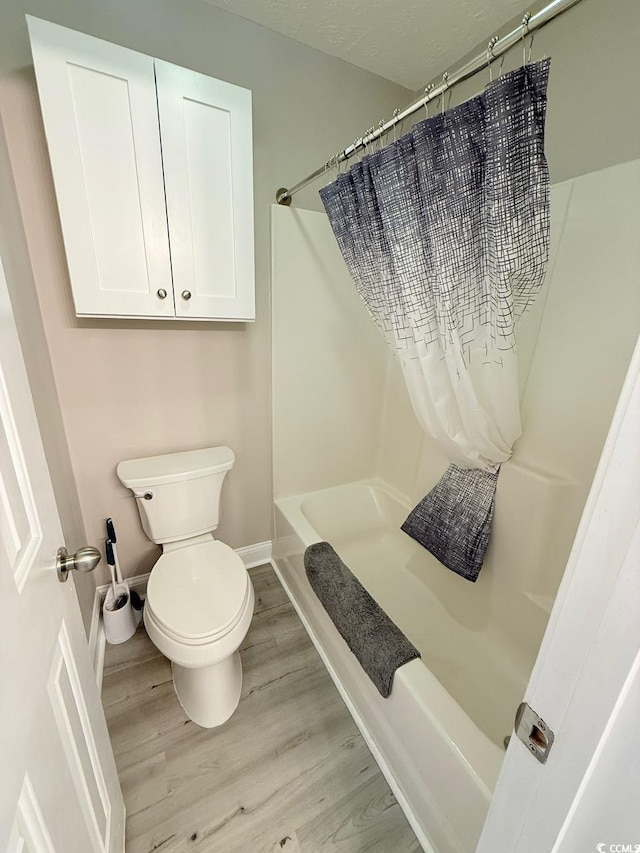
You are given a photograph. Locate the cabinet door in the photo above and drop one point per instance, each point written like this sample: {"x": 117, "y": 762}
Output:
{"x": 205, "y": 125}
{"x": 101, "y": 121}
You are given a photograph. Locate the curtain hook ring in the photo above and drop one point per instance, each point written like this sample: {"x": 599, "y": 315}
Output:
{"x": 381, "y": 134}
{"x": 445, "y": 84}
{"x": 525, "y": 30}
{"x": 492, "y": 43}
{"x": 427, "y": 92}
{"x": 533, "y": 35}
{"x": 369, "y": 139}
{"x": 396, "y": 113}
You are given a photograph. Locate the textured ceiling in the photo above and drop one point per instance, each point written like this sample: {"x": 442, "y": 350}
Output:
{"x": 408, "y": 42}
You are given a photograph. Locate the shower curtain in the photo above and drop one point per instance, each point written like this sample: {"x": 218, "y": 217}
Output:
{"x": 445, "y": 233}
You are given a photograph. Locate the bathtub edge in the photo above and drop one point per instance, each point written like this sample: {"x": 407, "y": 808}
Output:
{"x": 381, "y": 761}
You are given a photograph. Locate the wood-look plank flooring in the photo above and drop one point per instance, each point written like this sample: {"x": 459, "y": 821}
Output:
{"x": 288, "y": 773}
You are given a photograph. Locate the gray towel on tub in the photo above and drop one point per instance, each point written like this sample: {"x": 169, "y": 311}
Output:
{"x": 453, "y": 521}
{"x": 377, "y": 642}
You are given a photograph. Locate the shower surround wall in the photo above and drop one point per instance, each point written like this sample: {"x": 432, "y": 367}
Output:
{"x": 350, "y": 460}
{"x": 340, "y": 409}
{"x": 574, "y": 346}
{"x": 328, "y": 361}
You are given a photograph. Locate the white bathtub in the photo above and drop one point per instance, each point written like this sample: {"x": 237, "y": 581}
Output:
{"x": 439, "y": 736}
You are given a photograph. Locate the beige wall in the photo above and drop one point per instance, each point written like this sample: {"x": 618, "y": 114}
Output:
{"x": 593, "y": 118}
{"x": 129, "y": 388}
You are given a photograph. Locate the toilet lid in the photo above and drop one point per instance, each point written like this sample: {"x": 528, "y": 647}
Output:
{"x": 198, "y": 591}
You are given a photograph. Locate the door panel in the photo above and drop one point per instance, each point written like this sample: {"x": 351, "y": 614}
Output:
{"x": 76, "y": 735}
{"x": 100, "y": 114}
{"x": 205, "y": 126}
{"x": 59, "y": 787}
{"x": 29, "y": 833}
{"x": 20, "y": 531}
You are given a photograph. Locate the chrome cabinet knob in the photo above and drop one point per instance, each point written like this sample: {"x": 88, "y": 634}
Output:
{"x": 84, "y": 560}
{"x": 162, "y": 293}
{"x": 186, "y": 294}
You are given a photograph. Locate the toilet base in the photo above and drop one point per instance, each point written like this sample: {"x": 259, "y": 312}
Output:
{"x": 210, "y": 694}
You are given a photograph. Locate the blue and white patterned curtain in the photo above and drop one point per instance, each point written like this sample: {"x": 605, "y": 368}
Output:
{"x": 445, "y": 233}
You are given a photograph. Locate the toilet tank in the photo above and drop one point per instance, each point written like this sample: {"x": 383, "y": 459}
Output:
{"x": 178, "y": 494}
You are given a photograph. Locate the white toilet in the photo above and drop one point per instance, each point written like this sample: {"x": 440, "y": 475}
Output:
{"x": 199, "y": 597}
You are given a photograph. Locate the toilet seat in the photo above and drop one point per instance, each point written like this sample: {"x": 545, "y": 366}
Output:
{"x": 198, "y": 594}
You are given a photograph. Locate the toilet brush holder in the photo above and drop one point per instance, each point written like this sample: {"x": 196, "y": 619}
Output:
{"x": 119, "y": 617}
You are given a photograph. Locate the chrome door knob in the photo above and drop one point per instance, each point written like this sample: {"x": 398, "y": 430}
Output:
{"x": 84, "y": 560}
{"x": 186, "y": 294}
{"x": 162, "y": 293}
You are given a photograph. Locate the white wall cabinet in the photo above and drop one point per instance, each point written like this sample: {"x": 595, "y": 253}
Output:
{"x": 153, "y": 173}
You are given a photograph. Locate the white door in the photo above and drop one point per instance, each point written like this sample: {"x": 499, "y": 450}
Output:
{"x": 59, "y": 790}
{"x": 586, "y": 682}
{"x": 100, "y": 116}
{"x": 205, "y": 125}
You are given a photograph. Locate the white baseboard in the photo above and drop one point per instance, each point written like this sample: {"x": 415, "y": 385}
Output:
{"x": 251, "y": 555}
{"x": 255, "y": 555}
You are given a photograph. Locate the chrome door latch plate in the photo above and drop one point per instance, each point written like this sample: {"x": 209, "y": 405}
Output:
{"x": 534, "y": 733}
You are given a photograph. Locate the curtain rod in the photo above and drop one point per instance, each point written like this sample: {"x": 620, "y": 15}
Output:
{"x": 496, "y": 47}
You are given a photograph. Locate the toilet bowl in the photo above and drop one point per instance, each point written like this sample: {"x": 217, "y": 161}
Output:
{"x": 200, "y": 599}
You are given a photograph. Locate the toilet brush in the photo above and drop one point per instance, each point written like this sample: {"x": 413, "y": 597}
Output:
{"x": 111, "y": 535}
{"x": 136, "y": 601}
{"x": 118, "y": 600}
